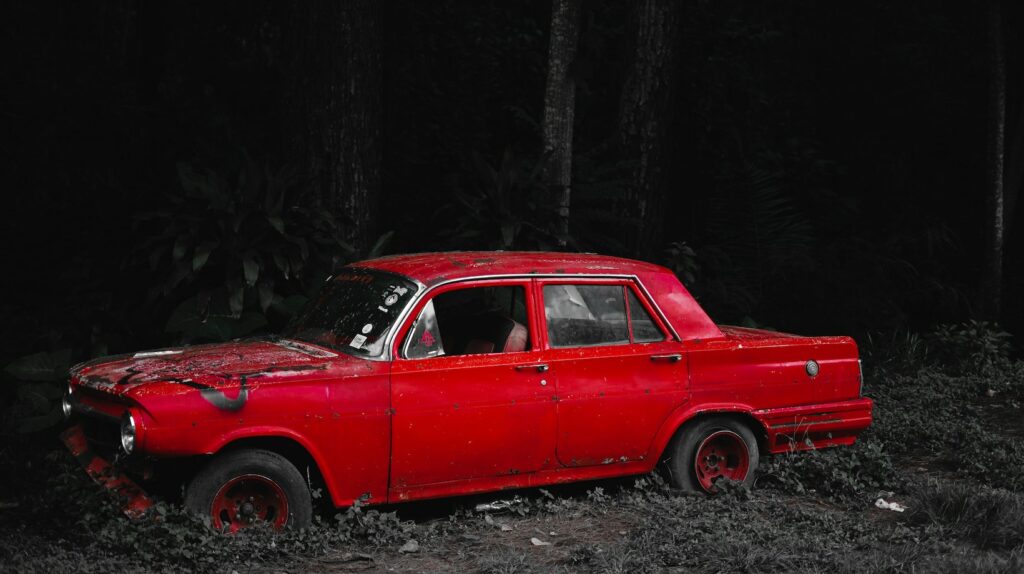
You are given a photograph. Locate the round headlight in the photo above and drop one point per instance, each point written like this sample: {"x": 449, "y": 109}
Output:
{"x": 128, "y": 433}
{"x": 65, "y": 405}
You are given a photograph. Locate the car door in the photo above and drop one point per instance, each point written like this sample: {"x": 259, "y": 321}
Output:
{"x": 469, "y": 411}
{"x": 617, "y": 370}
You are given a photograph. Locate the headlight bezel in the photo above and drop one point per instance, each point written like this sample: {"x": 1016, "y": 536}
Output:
{"x": 129, "y": 433}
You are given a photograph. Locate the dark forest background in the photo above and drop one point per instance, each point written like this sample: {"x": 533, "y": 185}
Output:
{"x": 189, "y": 171}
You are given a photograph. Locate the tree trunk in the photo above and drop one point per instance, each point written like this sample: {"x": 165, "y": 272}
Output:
{"x": 333, "y": 108}
{"x": 559, "y": 109}
{"x": 1013, "y": 179}
{"x": 646, "y": 113}
{"x": 992, "y": 278}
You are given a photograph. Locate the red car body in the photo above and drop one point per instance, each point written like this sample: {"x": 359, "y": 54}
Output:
{"x": 388, "y": 428}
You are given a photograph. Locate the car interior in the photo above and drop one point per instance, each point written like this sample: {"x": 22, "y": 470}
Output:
{"x": 483, "y": 320}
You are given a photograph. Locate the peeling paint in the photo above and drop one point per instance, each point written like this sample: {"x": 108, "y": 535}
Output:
{"x": 217, "y": 398}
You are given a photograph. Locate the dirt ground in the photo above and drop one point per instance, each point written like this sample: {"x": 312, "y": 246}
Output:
{"x": 947, "y": 446}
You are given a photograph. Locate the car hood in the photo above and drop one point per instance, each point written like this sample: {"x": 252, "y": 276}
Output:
{"x": 203, "y": 365}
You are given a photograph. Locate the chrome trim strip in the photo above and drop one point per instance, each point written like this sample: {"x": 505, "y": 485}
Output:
{"x": 657, "y": 309}
{"x": 860, "y": 378}
{"x": 806, "y": 423}
{"x": 421, "y": 290}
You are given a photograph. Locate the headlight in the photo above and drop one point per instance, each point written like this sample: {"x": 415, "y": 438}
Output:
{"x": 128, "y": 433}
{"x": 65, "y": 403}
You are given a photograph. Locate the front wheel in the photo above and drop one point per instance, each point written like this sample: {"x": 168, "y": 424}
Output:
{"x": 241, "y": 488}
{"x": 709, "y": 450}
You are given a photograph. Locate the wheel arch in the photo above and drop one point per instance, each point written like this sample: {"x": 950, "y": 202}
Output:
{"x": 689, "y": 415}
{"x": 291, "y": 447}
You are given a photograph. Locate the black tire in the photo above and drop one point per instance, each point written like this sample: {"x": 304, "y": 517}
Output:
{"x": 681, "y": 454}
{"x": 269, "y": 469}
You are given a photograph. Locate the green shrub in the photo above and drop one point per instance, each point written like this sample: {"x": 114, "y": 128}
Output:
{"x": 991, "y": 518}
{"x": 858, "y": 472}
{"x": 235, "y": 242}
{"x": 900, "y": 351}
{"x": 40, "y": 380}
{"x": 972, "y": 346}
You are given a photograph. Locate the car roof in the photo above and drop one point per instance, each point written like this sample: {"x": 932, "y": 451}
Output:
{"x": 433, "y": 268}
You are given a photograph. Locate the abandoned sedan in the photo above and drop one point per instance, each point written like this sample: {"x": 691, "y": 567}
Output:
{"x": 429, "y": 375}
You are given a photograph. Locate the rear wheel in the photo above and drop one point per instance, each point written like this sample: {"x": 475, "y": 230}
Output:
{"x": 241, "y": 488}
{"x": 709, "y": 450}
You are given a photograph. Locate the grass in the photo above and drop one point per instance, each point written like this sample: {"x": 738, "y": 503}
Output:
{"x": 946, "y": 443}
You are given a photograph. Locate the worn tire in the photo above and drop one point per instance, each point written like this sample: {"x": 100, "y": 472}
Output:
{"x": 720, "y": 440}
{"x": 250, "y": 471}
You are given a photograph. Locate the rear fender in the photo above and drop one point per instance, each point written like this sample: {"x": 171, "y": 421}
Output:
{"x": 686, "y": 413}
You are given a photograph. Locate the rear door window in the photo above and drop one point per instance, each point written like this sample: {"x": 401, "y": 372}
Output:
{"x": 585, "y": 315}
{"x": 645, "y": 330}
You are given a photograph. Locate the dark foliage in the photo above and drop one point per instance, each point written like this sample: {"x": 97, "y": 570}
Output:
{"x": 825, "y": 164}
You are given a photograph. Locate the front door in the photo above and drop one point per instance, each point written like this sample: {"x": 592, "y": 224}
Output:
{"x": 469, "y": 397}
{"x": 618, "y": 372}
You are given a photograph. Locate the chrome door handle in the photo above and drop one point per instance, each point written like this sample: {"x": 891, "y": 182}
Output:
{"x": 540, "y": 368}
{"x": 673, "y": 358}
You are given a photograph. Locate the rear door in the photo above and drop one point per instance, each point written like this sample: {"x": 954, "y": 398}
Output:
{"x": 617, "y": 370}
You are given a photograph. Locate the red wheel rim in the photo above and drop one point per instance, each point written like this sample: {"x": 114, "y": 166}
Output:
{"x": 249, "y": 499}
{"x": 723, "y": 454}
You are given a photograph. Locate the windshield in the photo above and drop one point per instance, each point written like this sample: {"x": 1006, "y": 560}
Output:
{"x": 353, "y": 312}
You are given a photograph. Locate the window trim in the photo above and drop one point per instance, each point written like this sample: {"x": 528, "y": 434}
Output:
{"x": 393, "y": 347}
{"x": 650, "y": 313}
{"x": 626, "y": 282}
{"x": 401, "y": 351}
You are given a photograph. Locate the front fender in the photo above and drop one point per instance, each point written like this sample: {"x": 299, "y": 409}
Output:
{"x": 219, "y": 443}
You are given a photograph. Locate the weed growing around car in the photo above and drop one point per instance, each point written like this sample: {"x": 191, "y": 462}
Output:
{"x": 946, "y": 443}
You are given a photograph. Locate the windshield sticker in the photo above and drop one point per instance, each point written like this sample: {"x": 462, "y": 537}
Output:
{"x": 427, "y": 339}
{"x": 357, "y": 341}
{"x": 367, "y": 328}
{"x": 382, "y": 308}
{"x": 391, "y": 299}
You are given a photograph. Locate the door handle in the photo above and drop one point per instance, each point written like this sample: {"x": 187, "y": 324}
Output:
{"x": 673, "y": 358}
{"x": 540, "y": 368}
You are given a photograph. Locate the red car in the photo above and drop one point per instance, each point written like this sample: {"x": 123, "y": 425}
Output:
{"x": 440, "y": 374}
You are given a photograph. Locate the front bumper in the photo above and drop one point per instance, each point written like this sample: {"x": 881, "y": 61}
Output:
{"x": 134, "y": 501}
